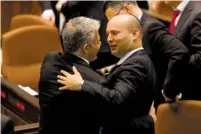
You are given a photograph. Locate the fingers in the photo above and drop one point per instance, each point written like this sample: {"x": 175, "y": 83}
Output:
{"x": 61, "y": 82}
{"x": 152, "y": 104}
{"x": 75, "y": 70}
{"x": 61, "y": 77}
{"x": 63, "y": 88}
{"x": 65, "y": 73}
{"x": 178, "y": 97}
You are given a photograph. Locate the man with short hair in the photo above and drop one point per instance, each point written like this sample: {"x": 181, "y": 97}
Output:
{"x": 169, "y": 55}
{"x": 66, "y": 111}
{"x": 129, "y": 90}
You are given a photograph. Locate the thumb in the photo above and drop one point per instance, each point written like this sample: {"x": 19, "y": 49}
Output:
{"x": 75, "y": 70}
{"x": 152, "y": 104}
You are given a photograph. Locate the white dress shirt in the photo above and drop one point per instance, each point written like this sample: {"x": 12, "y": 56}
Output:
{"x": 128, "y": 55}
{"x": 83, "y": 59}
{"x": 181, "y": 8}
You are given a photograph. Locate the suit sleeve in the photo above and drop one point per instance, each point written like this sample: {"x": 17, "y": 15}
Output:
{"x": 178, "y": 63}
{"x": 175, "y": 51}
{"x": 124, "y": 86}
{"x": 45, "y": 5}
{"x": 195, "y": 49}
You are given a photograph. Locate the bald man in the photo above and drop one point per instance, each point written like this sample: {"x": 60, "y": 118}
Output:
{"x": 129, "y": 90}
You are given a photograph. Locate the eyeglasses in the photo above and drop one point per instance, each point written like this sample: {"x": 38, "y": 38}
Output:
{"x": 129, "y": 14}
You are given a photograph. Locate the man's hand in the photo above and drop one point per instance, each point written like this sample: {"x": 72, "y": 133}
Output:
{"x": 152, "y": 112}
{"x": 48, "y": 15}
{"x": 178, "y": 97}
{"x": 59, "y": 4}
{"x": 106, "y": 70}
{"x": 70, "y": 81}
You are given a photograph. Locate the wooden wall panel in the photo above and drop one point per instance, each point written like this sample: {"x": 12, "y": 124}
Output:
{"x": 12, "y": 8}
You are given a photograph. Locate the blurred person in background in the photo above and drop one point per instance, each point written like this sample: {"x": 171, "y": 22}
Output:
{"x": 186, "y": 26}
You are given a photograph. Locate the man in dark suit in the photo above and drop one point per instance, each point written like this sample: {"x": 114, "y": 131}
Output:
{"x": 129, "y": 90}
{"x": 70, "y": 112}
{"x": 186, "y": 26}
{"x": 167, "y": 53}
{"x": 60, "y": 111}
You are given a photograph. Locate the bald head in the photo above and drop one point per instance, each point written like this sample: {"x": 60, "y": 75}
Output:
{"x": 127, "y": 20}
{"x": 124, "y": 34}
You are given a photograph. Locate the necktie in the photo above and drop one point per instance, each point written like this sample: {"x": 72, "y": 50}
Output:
{"x": 172, "y": 24}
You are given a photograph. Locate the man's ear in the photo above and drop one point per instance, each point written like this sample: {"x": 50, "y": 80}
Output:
{"x": 136, "y": 33}
{"x": 85, "y": 48}
{"x": 127, "y": 8}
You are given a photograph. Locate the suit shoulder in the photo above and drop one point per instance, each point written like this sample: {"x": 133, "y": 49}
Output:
{"x": 151, "y": 20}
{"x": 52, "y": 57}
{"x": 139, "y": 59}
{"x": 51, "y": 61}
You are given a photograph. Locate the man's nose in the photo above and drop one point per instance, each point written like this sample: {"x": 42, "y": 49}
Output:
{"x": 109, "y": 38}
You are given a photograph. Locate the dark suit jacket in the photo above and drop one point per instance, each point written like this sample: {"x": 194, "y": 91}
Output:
{"x": 50, "y": 5}
{"x": 188, "y": 31}
{"x": 66, "y": 111}
{"x": 167, "y": 53}
{"x": 128, "y": 93}
{"x": 55, "y": 104}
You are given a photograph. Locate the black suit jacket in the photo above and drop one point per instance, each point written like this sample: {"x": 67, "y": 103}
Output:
{"x": 188, "y": 31}
{"x": 66, "y": 111}
{"x": 128, "y": 93}
{"x": 168, "y": 55}
{"x": 60, "y": 106}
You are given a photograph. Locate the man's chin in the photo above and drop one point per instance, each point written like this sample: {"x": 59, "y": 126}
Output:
{"x": 114, "y": 53}
{"x": 93, "y": 59}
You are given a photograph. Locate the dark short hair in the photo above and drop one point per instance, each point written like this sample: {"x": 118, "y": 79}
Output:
{"x": 110, "y": 3}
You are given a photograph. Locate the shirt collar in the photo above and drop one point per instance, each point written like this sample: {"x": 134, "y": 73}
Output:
{"x": 182, "y": 5}
{"x": 83, "y": 59}
{"x": 140, "y": 17}
{"x": 128, "y": 55}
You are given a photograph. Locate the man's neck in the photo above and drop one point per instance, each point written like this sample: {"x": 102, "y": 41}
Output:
{"x": 137, "y": 12}
{"x": 82, "y": 57}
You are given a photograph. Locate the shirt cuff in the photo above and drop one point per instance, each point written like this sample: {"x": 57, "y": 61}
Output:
{"x": 81, "y": 84}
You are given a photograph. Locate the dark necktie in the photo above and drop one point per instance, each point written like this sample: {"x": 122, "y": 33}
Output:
{"x": 172, "y": 24}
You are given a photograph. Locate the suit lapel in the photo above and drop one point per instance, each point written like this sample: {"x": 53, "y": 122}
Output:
{"x": 116, "y": 67}
{"x": 183, "y": 18}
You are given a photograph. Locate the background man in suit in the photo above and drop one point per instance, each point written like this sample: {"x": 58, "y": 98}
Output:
{"x": 167, "y": 53}
{"x": 129, "y": 90}
{"x": 186, "y": 26}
